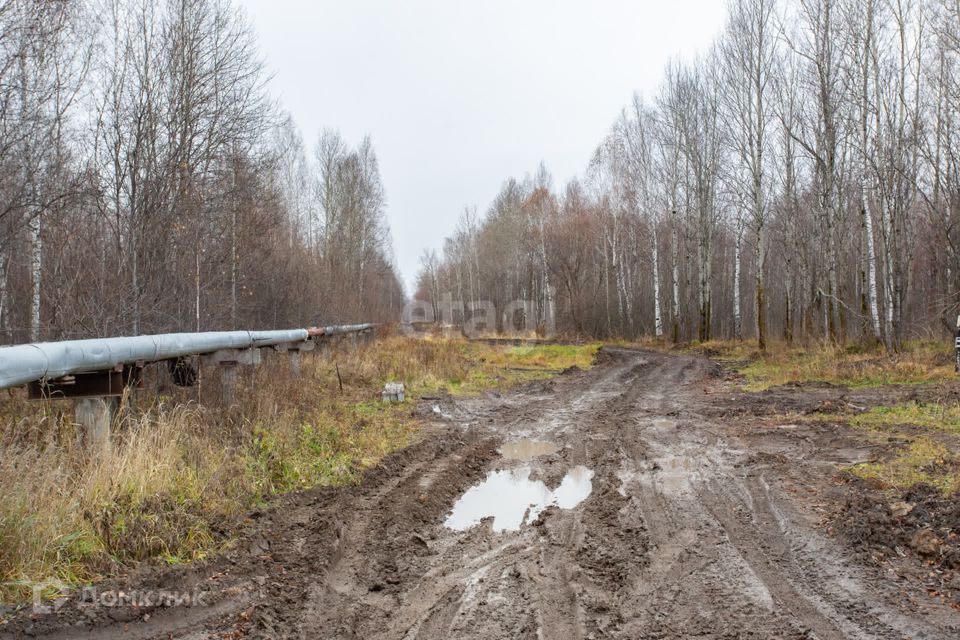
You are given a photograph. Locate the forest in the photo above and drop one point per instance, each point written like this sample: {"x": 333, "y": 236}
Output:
{"x": 151, "y": 183}
{"x": 798, "y": 180}
{"x": 733, "y": 409}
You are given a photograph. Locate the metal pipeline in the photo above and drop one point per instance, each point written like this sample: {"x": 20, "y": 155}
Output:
{"x": 26, "y": 363}
{"x": 346, "y": 328}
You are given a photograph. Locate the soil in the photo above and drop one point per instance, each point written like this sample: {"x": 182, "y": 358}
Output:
{"x": 915, "y": 534}
{"x": 706, "y": 519}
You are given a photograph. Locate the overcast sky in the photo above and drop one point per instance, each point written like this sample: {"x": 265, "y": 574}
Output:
{"x": 458, "y": 95}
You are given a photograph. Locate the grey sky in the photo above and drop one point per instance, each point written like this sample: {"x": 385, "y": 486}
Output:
{"x": 457, "y": 96}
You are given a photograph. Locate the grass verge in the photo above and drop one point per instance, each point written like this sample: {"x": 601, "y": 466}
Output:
{"x": 924, "y": 451}
{"x": 920, "y": 362}
{"x": 923, "y": 460}
{"x": 925, "y": 455}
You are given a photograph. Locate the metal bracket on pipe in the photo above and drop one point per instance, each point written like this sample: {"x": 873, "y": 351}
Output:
{"x": 304, "y": 345}
{"x": 97, "y": 384}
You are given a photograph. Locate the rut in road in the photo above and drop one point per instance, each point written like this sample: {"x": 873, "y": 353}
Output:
{"x": 688, "y": 532}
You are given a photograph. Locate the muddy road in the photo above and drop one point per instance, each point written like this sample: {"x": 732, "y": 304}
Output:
{"x": 613, "y": 503}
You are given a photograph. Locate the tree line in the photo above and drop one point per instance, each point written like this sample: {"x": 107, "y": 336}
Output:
{"x": 800, "y": 179}
{"x": 150, "y": 183}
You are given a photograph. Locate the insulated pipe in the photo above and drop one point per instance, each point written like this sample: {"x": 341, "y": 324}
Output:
{"x": 25, "y": 363}
{"x": 49, "y": 360}
{"x": 346, "y": 328}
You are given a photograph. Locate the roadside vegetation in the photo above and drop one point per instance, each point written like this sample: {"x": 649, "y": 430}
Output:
{"x": 919, "y": 362}
{"x": 183, "y": 472}
{"x": 927, "y": 439}
{"x": 921, "y": 460}
{"x": 925, "y": 435}
{"x": 922, "y": 415}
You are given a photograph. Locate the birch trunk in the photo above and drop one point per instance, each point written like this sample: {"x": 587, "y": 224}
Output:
{"x": 737, "y": 320}
{"x": 197, "y": 288}
{"x": 606, "y": 285}
{"x": 3, "y": 291}
{"x": 675, "y": 274}
{"x": 32, "y": 211}
{"x": 703, "y": 266}
{"x": 36, "y": 263}
{"x": 628, "y": 291}
{"x": 832, "y": 283}
{"x": 233, "y": 267}
{"x": 871, "y": 266}
{"x": 888, "y": 288}
{"x": 622, "y": 294}
{"x": 657, "y": 319}
{"x": 549, "y": 306}
{"x": 761, "y": 290}
{"x": 865, "y": 171}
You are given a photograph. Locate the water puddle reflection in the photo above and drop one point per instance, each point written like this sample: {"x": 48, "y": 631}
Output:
{"x": 513, "y": 499}
{"x": 526, "y": 449}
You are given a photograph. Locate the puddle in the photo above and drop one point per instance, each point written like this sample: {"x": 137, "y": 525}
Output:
{"x": 527, "y": 449}
{"x": 440, "y": 412}
{"x": 513, "y": 499}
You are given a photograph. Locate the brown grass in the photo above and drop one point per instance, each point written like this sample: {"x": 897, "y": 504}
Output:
{"x": 920, "y": 362}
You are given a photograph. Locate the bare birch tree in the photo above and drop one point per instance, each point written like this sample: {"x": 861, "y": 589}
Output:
{"x": 747, "y": 53}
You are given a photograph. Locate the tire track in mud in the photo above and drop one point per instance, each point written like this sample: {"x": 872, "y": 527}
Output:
{"x": 686, "y": 533}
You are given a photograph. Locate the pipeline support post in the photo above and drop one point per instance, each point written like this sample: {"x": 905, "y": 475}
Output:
{"x": 98, "y": 395}
{"x": 228, "y": 360}
{"x": 228, "y": 382}
{"x": 294, "y": 364}
{"x": 95, "y": 415}
{"x": 293, "y": 350}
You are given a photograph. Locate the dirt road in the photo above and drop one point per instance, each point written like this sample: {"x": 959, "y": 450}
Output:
{"x": 653, "y": 518}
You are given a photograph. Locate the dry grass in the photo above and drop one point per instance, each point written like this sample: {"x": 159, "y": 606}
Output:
{"x": 64, "y": 516}
{"x": 182, "y": 472}
{"x": 918, "y": 442}
{"x": 926, "y": 429}
{"x": 927, "y": 416}
{"x": 922, "y": 460}
{"x": 918, "y": 363}
{"x": 507, "y": 366}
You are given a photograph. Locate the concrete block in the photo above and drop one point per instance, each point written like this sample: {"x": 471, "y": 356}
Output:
{"x": 228, "y": 382}
{"x": 95, "y": 415}
{"x": 294, "y": 363}
{"x": 393, "y": 392}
